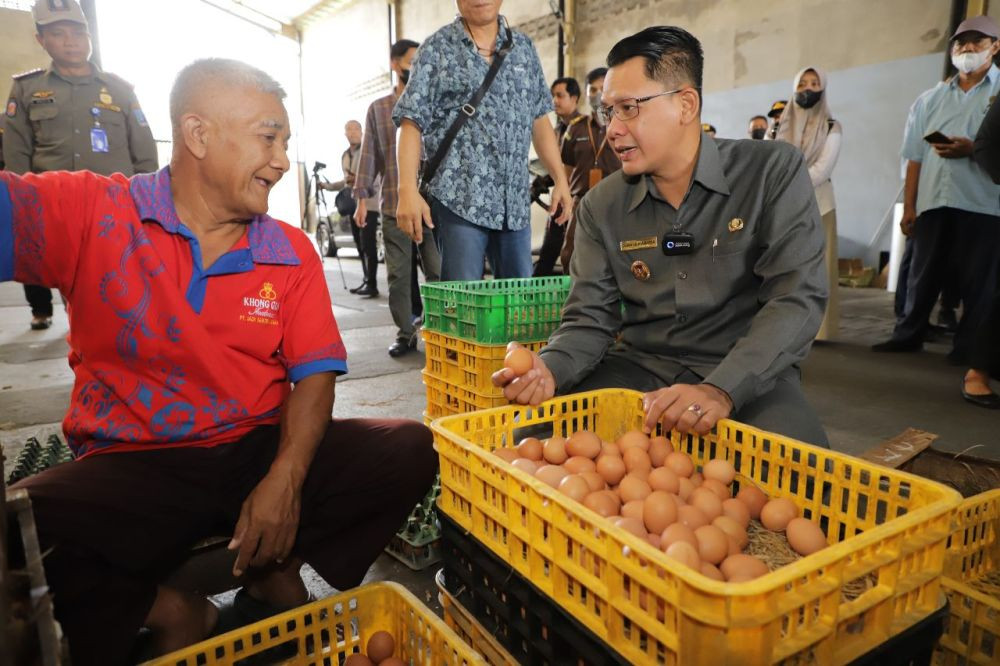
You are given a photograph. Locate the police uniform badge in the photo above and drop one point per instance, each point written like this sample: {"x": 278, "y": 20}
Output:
{"x": 105, "y": 96}
{"x": 735, "y": 224}
{"x": 640, "y": 271}
{"x": 12, "y": 108}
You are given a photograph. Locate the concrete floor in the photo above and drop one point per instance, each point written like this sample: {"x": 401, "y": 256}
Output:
{"x": 862, "y": 397}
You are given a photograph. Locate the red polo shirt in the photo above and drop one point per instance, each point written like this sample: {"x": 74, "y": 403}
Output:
{"x": 166, "y": 353}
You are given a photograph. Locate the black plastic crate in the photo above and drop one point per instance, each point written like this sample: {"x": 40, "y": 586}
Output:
{"x": 537, "y": 632}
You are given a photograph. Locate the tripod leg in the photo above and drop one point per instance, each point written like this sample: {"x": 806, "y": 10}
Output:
{"x": 341, "y": 266}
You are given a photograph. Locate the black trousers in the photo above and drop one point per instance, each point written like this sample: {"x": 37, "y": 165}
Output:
{"x": 951, "y": 243}
{"x": 40, "y": 300}
{"x": 951, "y": 294}
{"x": 366, "y": 240}
{"x": 552, "y": 244}
{"x": 986, "y": 349}
{"x": 117, "y": 523}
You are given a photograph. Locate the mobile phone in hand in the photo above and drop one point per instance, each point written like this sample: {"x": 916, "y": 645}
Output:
{"x": 936, "y": 137}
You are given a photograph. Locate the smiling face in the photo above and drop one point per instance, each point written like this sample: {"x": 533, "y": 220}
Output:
{"x": 245, "y": 150}
{"x": 645, "y": 143}
{"x": 66, "y": 42}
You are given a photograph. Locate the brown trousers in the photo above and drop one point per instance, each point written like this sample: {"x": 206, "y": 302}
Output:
{"x": 117, "y": 523}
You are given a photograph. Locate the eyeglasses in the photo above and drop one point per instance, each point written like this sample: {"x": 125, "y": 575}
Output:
{"x": 627, "y": 109}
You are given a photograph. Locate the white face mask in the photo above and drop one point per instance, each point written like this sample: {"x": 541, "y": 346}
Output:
{"x": 970, "y": 62}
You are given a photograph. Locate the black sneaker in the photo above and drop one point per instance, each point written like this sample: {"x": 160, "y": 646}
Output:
{"x": 403, "y": 346}
{"x": 363, "y": 285}
{"x": 40, "y": 323}
{"x": 368, "y": 292}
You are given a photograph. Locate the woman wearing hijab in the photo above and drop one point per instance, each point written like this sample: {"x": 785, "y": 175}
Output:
{"x": 806, "y": 123}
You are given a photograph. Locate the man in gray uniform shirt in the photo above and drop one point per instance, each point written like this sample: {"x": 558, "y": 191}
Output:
{"x": 698, "y": 268}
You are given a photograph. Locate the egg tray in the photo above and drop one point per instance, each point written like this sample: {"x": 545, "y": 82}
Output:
{"x": 651, "y": 609}
{"x": 331, "y": 629}
{"x": 972, "y": 581}
{"x": 34, "y": 457}
{"x": 536, "y": 631}
{"x": 416, "y": 543}
{"x": 467, "y": 364}
{"x": 495, "y": 311}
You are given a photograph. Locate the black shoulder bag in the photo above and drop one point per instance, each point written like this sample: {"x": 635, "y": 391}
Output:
{"x": 468, "y": 110}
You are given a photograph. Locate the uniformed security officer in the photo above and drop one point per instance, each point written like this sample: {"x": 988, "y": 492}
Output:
{"x": 775, "y": 115}
{"x": 71, "y": 116}
{"x": 698, "y": 271}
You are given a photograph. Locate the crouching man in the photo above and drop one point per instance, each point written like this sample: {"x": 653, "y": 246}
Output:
{"x": 205, "y": 352}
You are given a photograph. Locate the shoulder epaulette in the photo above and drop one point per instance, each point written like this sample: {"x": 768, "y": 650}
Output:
{"x": 29, "y": 73}
{"x": 575, "y": 121}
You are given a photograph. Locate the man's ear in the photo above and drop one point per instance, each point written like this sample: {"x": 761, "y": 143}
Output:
{"x": 194, "y": 132}
{"x": 690, "y": 106}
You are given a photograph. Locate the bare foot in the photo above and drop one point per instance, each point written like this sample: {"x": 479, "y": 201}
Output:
{"x": 178, "y": 619}
{"x": 977, "y": 383}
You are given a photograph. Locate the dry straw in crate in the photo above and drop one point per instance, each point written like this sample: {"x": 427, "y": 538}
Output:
{"x": 882, "y": 524}
{"x": 972, "y": 581}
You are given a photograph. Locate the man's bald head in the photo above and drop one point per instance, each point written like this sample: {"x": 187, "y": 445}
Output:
{"x": 205, "y": 77}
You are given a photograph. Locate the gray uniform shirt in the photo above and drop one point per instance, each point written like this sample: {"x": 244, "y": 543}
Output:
{"x": 48, "y": 121}
{"x": 740, "y": 309}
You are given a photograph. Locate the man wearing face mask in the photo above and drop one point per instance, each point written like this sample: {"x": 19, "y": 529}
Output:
{"x": 951, "y": 208}
{"x": 586, "y": 151}
{"x": 758, "y": 128}
{"x": 378, "y": 159}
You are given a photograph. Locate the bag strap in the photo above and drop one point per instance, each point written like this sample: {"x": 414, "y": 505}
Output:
{"x": 468, "y": 110}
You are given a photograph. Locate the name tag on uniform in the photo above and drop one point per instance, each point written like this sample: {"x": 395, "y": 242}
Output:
{"x": 98, "y": 140}
{"x": 639, "y": 244}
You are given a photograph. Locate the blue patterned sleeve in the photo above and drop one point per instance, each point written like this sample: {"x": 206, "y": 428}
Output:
{"x": 417, "y": 103}
{"x": 540, "y": 87}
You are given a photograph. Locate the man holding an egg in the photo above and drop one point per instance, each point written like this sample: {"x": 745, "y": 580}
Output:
{"x": 698, "y": 269}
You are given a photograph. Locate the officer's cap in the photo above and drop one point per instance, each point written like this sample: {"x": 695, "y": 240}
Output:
{"x": 46, "y": 12}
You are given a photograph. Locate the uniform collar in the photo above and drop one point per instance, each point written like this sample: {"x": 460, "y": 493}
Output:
{"x": 708, "y": 173}
{"x": 155, "y": 202}
{"x": 95, "y": 73}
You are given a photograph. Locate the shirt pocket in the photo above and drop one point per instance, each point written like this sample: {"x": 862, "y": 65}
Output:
{"x": 114, "y": 124}
{"x": 43, "y": 119}
{"x": 730, "y": 270}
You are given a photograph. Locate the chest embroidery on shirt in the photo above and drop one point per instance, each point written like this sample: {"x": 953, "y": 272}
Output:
{"x": 262, "y": 308}
{"x": 735, "y": 224}
{"x": 638, "y": 244}
{"x": 43, "y": 94}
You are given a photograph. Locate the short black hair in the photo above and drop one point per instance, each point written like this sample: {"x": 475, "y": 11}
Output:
{"x": 572, "y": 86}
{"x": 673, "y": 55}
{"x": 399, "y": 49}
{"x": 753, "y": 118}
{"x": 597, "y": 73}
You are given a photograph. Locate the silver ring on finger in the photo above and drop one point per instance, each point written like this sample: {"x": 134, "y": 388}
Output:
{"x": 696, "y": 410}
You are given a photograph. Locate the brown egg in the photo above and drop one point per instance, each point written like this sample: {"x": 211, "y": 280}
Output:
{"x": 691, "y": 516}
{"x": 358, "y": 659}
{"x": 636, "y": 458}
{"x": 678, "y": 501}
{"x": 659, "y": 448}
{"x": 594, "y": 480}
{"x": 631, "y": 525}
{"x": 733, "y": 529}
{"x": 610, "y": 449}
{"x": 736, "y": 510}
{"x": 680, "y": 464}
{"x": 697, "y": 479}
{"x": 579, "y": 465}
{"x": 530, "y": 448}
{"x": 707, "y": 501}
{"x": 633, "y": 488}
{"x": 583, "y": 443}
{"x": 753, "y": 497}
{"x": 602, "y": 502}
{"x": 677, "y": 532}
{"x": 527, "y": 466}
{"x": 737, "y": 568}
{"x": 633, "y": 438}
{"x": 734, "y": 545}
{"x": 380, "y": 646}
{"x": 641, "y": 473}
{"x": 712, "y": 571}
{"x": 551, "y": 474}
{"x": 508, "y": 455}
{"x": 721, "y": 491}
{"x": 659, "y": 511}
{"x": 777, "y": 512}
{"x": 654, "y": 540}
{"x": 392, "y": 661}
{"x": 804, "y": 536}
{"x": 575, "y": 487}
{"x": 713, "y": 545}
{"x": 684, "y": 488}
{"x": 554, "y": 450}
{"x": 663, "y": 478}
{"x": 632, "y": 509}
{"x": 611, "y": 468}
{"x": 720, "y": 470}
{"x": 684, "y": 553}
{"x": 519, "y": 360}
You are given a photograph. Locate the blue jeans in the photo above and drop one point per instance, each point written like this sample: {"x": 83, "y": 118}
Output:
{"x": 464, "y": 247}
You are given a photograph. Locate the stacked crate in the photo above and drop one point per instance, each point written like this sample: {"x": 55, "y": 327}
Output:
{"x": 467, "y": 326}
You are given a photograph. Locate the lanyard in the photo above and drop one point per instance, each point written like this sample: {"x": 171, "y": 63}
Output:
{"x": 593, "y": 144}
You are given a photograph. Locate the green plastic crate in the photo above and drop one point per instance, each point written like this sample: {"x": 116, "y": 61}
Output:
{"x": 496, "y": 311}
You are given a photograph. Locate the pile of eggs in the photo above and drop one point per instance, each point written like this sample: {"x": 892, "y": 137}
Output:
{"x": 378, "y": 652}
{"x": 647, "y": 488}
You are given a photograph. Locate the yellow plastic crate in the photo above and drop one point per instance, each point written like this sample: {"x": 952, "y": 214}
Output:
{"x": 333, "y": 628}
{"x": 445, "y": 398}
{"x": 973, "y": 558}
{"x": 465, "y": 625}
{"x": 467, "y": 364}
{"x": 887, "y": 526}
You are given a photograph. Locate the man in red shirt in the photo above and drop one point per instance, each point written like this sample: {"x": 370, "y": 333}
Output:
{"x": 205, "y": 353}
